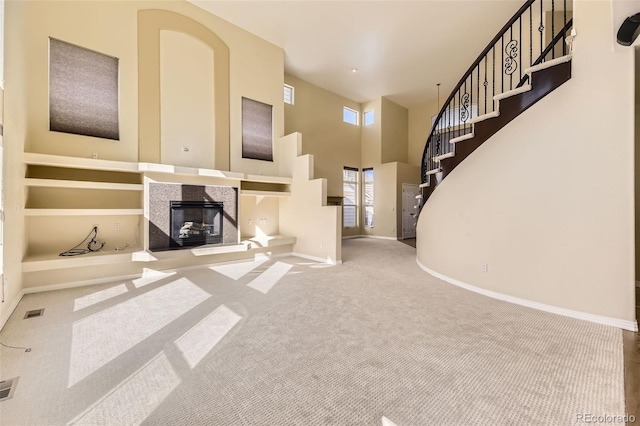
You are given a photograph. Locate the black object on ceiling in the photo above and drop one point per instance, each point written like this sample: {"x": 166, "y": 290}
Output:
{"x": 629, "y": 30}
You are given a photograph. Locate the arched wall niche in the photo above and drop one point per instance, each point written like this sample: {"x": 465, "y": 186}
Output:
{"x": 150, "y": 23}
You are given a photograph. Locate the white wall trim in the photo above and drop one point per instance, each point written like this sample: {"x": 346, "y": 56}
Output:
{"x": 614, "y": 322}
{"x": 318, "y": 259}
{"x": 12, "y": 308}
{"x": 380, "y": 237}
{"x": 350, "y": 237}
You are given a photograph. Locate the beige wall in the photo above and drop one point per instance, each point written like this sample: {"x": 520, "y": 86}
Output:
{"x": 16, "y": 104}
{"x": 532, "y": 203}
{"x": 111, "y": 27}
{"x": 406, "y": 173}
{"x": 186, "y": 101}
{"x": 371, "y": 142}
{"x": 419, "y": 124}
{"x": 394, "y": 121}
{"x": 317, "y": 114}
{"x": 305, "y": 214}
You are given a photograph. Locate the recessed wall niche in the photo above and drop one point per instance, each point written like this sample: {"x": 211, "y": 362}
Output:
{"x": 83, "y": 91}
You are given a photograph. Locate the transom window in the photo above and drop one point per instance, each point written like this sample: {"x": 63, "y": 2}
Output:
{"x": 350, "y": 116}
{"x": 289, "y": 93}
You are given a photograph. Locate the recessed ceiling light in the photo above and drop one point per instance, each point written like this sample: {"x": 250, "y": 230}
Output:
{"x": 354, "y": 69}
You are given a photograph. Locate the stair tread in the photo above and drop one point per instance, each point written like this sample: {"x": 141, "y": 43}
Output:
{"x": 434, "y": 171}
{"x": 484, "y": 117}
{"x": 548, "y": 64}
{"x": 464, "y": 137}
{"x": 513, "y": 92}
{"x": 437, "y": 158}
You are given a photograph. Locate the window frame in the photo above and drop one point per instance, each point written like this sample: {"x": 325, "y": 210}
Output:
{"x": 356, "y": 203}
{"x": 293, "y": 94}
{"x": 357, "y": 114}
{"x": 368, "y": 203}
{"x": 364, "y": 119}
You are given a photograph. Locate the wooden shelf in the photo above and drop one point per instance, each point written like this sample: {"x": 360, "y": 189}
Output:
{"x": 55, "y": 261}
{"x": 251, "y": 192}
{"x": 83, "y": 212}
{"x": 79, "y": 184}
{"x": 268, "y": 179}
{"x": 78, "y": 163}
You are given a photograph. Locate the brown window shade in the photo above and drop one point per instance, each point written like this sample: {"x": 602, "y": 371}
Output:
{"x": 257, "y": 130}
{"x": 83, "y": 91}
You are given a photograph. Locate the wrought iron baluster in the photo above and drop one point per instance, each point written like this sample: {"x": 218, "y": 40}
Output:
{"x": 541, "y": 28}
{"x": 478, "y": 93}
{"x": 502, "y": 72}
{"x": 564, "y": 25}
{"x": 493, "y": 84}
{"x": 520, "y": 41}
{"x": 485, "y": 84}
{"x": 553, "y": 26}
{"x": 530, "y": 35}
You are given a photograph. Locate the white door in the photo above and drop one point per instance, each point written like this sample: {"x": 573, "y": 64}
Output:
{"x": 409, "y": 212}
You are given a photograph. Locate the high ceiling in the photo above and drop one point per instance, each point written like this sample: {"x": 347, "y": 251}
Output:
{"x": 400, "y": 48}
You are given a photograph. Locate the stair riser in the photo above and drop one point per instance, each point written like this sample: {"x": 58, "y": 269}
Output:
{"x": 544, "y": 82}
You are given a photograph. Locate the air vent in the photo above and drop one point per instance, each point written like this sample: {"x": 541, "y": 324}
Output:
{"x": 34, "y": 313}
{"x": 7, "y": 388}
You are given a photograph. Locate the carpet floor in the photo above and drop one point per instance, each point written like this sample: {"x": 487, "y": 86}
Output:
{"x": 286, "y": 341}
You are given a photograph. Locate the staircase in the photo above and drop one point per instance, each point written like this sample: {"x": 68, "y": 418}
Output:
{"x": 499, "y": 86}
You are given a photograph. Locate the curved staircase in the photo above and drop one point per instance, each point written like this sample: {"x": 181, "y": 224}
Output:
{"x": 458, "y": 129}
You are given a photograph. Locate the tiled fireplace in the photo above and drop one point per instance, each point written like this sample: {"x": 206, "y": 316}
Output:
{"x": 188, "y": 216}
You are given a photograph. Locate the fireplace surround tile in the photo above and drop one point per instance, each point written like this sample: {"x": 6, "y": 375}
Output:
{"x": 161, "y": 195}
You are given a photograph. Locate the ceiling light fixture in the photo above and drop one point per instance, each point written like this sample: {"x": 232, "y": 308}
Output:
{"x": 354, "y": 69}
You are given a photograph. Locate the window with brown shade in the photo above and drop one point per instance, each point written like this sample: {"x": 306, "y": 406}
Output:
{"x": 83, "y": 91}
{"x": 257, "y": 130}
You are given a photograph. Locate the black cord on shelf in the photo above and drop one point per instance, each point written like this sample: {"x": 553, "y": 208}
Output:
{"x": 92, "y": 246}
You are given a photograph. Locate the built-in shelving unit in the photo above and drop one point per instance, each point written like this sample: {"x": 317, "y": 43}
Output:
{"x": 73, "y": 184}
{"x": 67, "y": 196}
{"x": 250, "y": 192}
{"x": 82, "y": 212}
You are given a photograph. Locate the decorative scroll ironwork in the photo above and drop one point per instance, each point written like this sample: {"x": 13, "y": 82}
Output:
{"x": 541, "y": 28}
{"x": 438, "y": 145}
{"x": 464, "y": 107}
{"x": 510, "y": 62}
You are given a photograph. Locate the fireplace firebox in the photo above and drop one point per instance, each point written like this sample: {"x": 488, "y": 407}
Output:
{"x": 195, "y": 223}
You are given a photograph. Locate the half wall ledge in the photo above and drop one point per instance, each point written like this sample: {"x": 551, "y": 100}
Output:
{"x": 598, "y": 319}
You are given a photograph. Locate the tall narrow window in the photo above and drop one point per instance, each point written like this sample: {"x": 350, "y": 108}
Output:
{"x": 350, "y": 193}
{"x": 368, "y": 197}
{"x": 289, "y": 94}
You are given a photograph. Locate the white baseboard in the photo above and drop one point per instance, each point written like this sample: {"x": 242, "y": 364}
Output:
{"x": 380, "y": 237}
{"x": 12, "y": 308}
{"x": 318, "y": 259}
{"x": 350, "y": 237}
{"x": 598, "y": 319}
{"x": 96, "y": 281}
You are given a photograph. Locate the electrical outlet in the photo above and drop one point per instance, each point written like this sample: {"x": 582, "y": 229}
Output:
{"x": 94, "y": 155}
{"x": 250, "y": 221}
{"x": 321, "y": 245}
{"x": 116, "y": 226}
{"x": 484, "y": 267}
